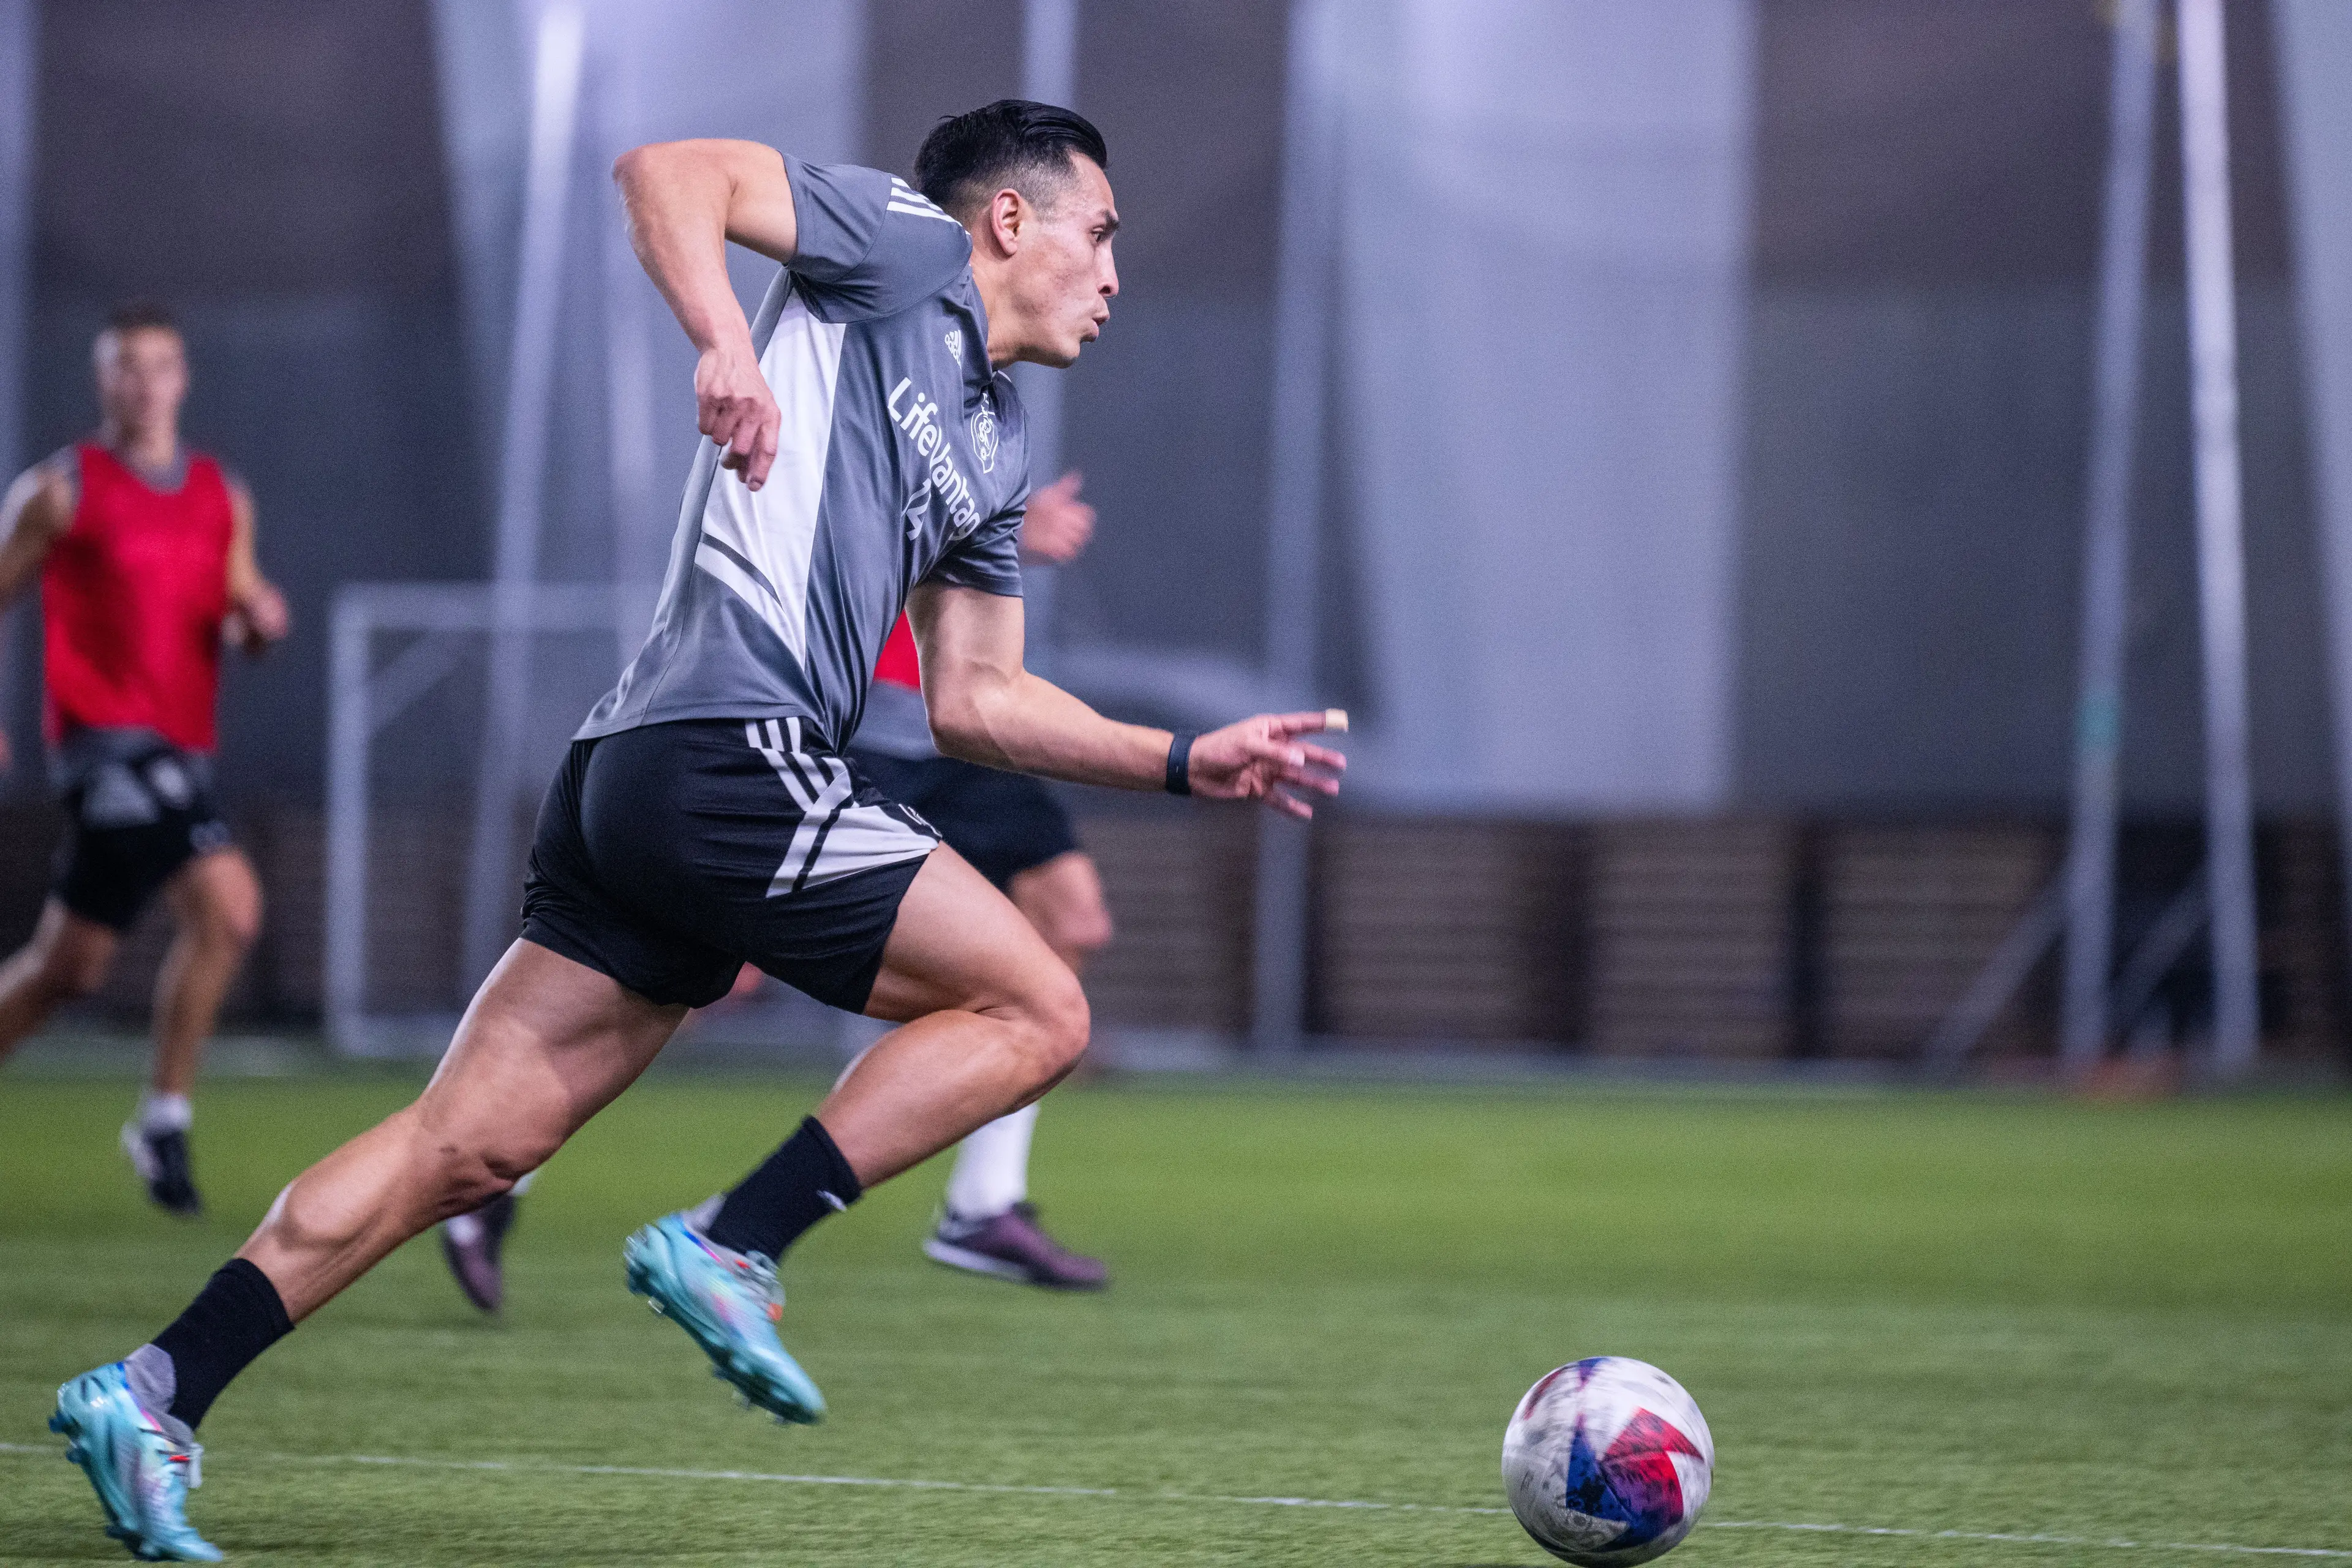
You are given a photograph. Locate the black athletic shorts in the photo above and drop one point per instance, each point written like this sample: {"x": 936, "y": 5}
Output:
{"x": 137, "y": 819}
{"x": 670, "y": 856}
{"x": 1005, "y": 824}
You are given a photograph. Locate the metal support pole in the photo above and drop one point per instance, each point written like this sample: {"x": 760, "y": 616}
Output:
{"x": 1303, "y": 284}
{"x": 2098, "y": 718}
{"x": 1049, "y": 51}
{"x": 641, "y": 524}
{"x": 349, "y": 724}
{"x": 361, "y": 701}
{"x": 19, "y": 51}
{"x": 2004, "y": 972}
{"x": 1049, "y": 74}
{"x": 2313, "y": 45}
{"x": 2221, "y": 545}
{"x": 490, "y": 896}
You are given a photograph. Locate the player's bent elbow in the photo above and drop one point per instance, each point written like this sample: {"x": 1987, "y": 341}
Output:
{"x": 959, "y": 736}
{"x": 632, "y": 166}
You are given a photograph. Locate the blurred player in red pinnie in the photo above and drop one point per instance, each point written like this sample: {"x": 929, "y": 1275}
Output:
{"x": 145, "y": 553}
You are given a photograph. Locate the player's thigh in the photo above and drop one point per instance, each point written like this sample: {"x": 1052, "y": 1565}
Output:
{"x": 546, "y": 1044}
{"x": 960, "y": 944}
{"x": 1064, "y": 899}
{"x": 218, "y": 893}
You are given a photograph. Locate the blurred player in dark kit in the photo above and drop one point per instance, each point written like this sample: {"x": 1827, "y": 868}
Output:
{"x": 1015, "y": 833}
{"x": 145, "y": 555}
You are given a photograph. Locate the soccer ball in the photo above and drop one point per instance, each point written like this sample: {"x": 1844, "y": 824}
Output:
{"x": 1606, "y": 1462}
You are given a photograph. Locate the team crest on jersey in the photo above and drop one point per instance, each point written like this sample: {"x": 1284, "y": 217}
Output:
{"x": 955, "y": 341}
{"x": 983, "y": 438}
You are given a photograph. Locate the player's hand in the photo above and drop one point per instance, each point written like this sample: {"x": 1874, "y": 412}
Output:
{"x": 1057, "y": 525}
{"x": 261, "y": 618}
{"x": 734, "y": 407}
{"x": 8, "y": 754}
{"x": 1263, "y": 759}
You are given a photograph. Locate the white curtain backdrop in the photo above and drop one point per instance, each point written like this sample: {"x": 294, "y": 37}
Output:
{"x": 790, "y": 73}
{"x": 2314, "y": 58}
{"x": 1544, "y": 249}
{"x": 19, "y": 37}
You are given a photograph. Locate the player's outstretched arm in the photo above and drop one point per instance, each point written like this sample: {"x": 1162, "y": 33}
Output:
{"x": 257, "y": 615}
{"x": 37, "y": 508}
{"x": 986, "y": 707}
{"x": 1057, "y": 525}
{"x": 685, "y": 201}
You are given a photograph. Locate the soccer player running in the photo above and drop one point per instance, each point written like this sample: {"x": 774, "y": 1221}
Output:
{"x": 145, "y": 557}
{"x": 865, "y": 454}
{"x": 1016, "y": 834}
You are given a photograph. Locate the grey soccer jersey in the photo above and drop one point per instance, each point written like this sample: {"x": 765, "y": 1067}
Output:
{"x": 902, "y": 459}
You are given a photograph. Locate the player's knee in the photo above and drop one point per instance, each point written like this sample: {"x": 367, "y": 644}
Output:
{"x": 1056, "y": 1025}
{"x": 232, "y": 919}
{"x": 237, "y": 926}
{"x": 1084, "y": 930}
{"x": 1064, "y": 899}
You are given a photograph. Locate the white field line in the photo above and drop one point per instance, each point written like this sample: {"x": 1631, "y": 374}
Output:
{"x": 534, "y": 1467}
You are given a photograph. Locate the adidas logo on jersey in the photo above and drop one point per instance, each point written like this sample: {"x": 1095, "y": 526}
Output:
{"x": 905, "y": 198}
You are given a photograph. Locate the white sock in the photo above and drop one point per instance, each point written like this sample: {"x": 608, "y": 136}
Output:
{"x": 164, "y": 1112}
{"x": 992, "y": 1169}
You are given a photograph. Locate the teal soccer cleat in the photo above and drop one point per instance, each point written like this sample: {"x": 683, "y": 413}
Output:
{"x": 143, "y": 1472}
{"x": 727, "y": 1302}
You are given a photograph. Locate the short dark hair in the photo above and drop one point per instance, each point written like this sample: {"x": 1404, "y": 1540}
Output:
{"x": 137, "y": 315}
{"x": 968, "y": 158}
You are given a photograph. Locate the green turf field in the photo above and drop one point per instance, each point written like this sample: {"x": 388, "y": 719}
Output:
{"x": 1917, "y": 1314}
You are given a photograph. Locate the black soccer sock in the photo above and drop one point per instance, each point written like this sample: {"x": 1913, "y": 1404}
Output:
{"x": 236, "y": 1317}
{"x": 804, "y": 1181}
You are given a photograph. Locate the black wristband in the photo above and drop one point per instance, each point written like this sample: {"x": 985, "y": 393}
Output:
{"x": 1179, "y": 763}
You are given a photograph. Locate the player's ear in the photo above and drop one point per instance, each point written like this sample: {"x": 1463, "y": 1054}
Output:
{"x": 1008, "y": 216}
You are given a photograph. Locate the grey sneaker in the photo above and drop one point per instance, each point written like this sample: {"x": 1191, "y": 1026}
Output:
{"x": 473, "y": 1244}
{"x": 1014, "y": 1246}
{"x": 162, "y": 1161}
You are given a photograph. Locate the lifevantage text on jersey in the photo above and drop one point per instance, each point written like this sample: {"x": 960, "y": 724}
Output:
{"x": 920, "y": 424}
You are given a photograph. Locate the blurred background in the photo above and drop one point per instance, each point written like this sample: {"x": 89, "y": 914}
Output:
{"x": 1664, "y": 428}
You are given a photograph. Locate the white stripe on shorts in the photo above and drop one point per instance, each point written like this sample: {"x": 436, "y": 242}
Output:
{"x": 833, "y": 838}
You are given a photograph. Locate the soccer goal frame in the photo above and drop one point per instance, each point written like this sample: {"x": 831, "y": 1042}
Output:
{"x": 439, "y": 620}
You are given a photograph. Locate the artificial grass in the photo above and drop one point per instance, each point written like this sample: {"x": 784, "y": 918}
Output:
{"x": 1916, "y": 1313}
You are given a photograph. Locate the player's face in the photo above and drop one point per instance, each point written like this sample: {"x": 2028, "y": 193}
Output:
{"x": 1066, "y": 277}
{"x": 143, "y": 374}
